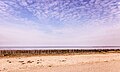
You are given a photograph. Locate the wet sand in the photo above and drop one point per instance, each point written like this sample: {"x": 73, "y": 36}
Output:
{"x": 109, "y": 62}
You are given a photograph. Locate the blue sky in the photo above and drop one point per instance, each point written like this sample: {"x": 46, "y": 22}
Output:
{"x": 59, "y": 22}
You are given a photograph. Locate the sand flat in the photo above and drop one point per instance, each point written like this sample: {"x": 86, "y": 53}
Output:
{"x": 72, "y": 63}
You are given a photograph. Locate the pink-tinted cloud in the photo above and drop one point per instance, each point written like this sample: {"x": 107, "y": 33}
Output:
{"x": 90, "y": 36}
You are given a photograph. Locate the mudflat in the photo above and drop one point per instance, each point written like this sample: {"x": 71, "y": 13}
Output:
{"x": 109, "y": 62}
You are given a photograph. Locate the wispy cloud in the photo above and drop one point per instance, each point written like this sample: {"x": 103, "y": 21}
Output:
{"x": 59, "y": 22}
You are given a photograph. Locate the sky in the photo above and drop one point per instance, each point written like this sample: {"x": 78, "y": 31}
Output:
{"x": 59, "y": 22}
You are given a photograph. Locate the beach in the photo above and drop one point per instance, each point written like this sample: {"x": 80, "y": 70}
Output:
{"x": 109, "y": 62}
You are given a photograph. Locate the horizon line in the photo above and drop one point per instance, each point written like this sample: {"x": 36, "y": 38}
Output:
{"x": 59, "y": 46}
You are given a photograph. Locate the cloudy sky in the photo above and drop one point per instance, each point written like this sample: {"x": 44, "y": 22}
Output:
{"x": 59, "y": 22}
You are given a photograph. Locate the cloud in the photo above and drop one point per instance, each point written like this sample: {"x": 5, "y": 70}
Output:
{"x": 62, "y": 10}
{"x": 58, "y": 22}
{"x": 22, "y": 36}
{"x": 11, "y": 35}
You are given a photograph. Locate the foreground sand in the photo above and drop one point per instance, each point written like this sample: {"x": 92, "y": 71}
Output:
{"x": 72, "y": 63}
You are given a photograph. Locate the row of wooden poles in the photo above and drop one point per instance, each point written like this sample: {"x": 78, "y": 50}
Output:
{"x": 53, "y": 51}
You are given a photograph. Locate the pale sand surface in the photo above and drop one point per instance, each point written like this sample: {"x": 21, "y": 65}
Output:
{"x": 72, "y": 63}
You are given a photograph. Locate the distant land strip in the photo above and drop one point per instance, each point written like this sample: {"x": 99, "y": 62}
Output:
{"x": 47, "y": 52}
